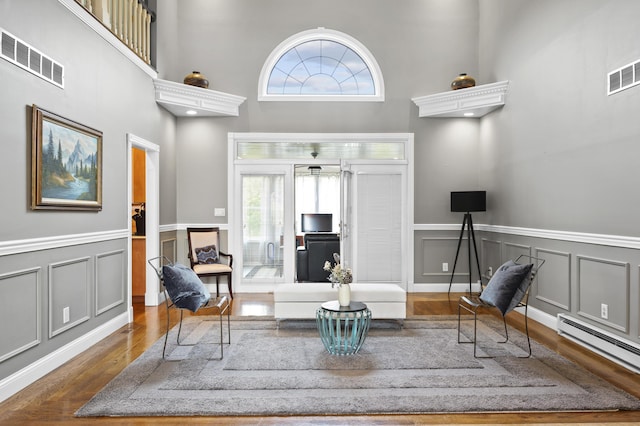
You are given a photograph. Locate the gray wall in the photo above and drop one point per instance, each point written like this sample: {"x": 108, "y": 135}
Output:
{"x": 561, "y": 155}
{"x": 103, "y": 90}
{"x": 558, "y": 161}
{"x": 420, "y": 46}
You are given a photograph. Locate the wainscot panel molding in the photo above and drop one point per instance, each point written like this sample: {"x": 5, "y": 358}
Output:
{"x": 577, "y": 237}
{"x": 110, "y": 268}
{"x": 69, "y": 286}
{"x": 491, "y": 256}
{"x": 432, "y": 266}
{"x": 22, "y": 288}
{"x": 614, "y": 292}
{"x": 513, "y": 251}
{"x": 554, "y": 279}
{"x": 28, "y": 375}
{"x": 103, "y": 32}
{"x": 169, "y": 248}
{"x": 46, "y": 243}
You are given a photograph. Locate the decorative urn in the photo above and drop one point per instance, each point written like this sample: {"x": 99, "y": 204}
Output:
{"x": 196, "y": 79}
{"x": 462, "y": 82}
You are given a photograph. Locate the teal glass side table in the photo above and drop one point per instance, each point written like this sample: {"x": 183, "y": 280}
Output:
{"x": 343, "y": 329}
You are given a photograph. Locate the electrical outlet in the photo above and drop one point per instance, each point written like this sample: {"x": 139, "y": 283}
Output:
{"x": 219, "y": 211}
{"x": 490, "y": 272}
{"x": 65, "y": 315}
{"x": 445, "y": 267}
{"x": 604, "y": 311}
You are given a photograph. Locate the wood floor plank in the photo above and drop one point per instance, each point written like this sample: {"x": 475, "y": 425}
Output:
{"x": 53, "y": 399}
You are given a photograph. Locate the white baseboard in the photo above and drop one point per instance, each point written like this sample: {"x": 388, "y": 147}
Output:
{"x": 29, "y": 374}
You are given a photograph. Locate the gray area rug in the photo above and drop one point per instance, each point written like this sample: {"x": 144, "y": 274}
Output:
{"x": 285, "y": 370}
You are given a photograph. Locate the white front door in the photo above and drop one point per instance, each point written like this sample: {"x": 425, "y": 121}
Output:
{"x": 379, "y": 223}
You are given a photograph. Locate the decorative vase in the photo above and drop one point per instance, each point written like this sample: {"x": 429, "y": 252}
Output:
{"x": 197, "y": 79}
{"x": 462, "y": 82}
{"x": 344, "y": 294}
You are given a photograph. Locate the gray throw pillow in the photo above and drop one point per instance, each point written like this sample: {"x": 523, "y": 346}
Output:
{"x": 207, "y": 255}
{"x": 185, "y": 289}
{"x": 508, "y": 286}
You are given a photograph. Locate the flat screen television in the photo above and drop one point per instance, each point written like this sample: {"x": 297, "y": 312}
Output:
{"x": 316, "y": 222}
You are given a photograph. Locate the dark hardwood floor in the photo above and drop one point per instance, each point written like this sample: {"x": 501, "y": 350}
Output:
{"x": 54, "y": 398}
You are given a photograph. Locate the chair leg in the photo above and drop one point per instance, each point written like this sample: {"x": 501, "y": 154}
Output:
{"x": 217, "y": 286}
{"x": 506, "y": 333}
{"x": 222, "y": 308}
{"x": 179, "y": 328}
{"x": 166, "y": 335}
{"x": 475, "y": 329}
{"x": 526, "y": 328}
{"x": 229, "y": 284}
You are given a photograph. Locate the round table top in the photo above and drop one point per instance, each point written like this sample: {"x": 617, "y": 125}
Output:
{"x": 334, "y": 306}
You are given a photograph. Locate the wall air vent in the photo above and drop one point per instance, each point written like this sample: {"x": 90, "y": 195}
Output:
{"x": 30, "y": 59}
{"x": 623, "y": 78}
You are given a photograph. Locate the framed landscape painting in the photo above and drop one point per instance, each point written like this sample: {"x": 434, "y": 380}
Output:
{"x": 66, "y": 163}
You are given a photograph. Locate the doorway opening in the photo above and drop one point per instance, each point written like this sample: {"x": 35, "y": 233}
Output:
{"x": 274, "y": 181}
{"x": 151, "y": 159}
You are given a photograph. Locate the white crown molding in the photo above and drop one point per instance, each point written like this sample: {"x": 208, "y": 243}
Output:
{"x": 178, "y": 98}
{"x": 478, "y": 101}
{"x": 46, "y": 243}
{"x": 93, "y": 23}
{"x": 576, "y": 237}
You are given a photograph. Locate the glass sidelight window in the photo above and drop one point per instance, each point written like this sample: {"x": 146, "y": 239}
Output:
{"x": 262, "y": 226}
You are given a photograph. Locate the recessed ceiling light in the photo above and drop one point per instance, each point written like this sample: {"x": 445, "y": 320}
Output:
{"x": 191, "y": 112}
{"x": 469, "y": 114}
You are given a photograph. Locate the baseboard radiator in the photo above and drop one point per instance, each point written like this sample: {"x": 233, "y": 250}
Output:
{"x": 615, "y": 348}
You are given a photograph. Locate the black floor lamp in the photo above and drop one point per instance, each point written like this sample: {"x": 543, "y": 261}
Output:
{"x": 467, "y": 202}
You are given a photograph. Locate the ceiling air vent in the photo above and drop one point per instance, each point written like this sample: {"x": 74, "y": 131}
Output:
{"x": 30, "y": 59}
{"x": 623, "y": 78}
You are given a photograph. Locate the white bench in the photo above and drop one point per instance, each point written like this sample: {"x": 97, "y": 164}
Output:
{"x": 300, "y": 300}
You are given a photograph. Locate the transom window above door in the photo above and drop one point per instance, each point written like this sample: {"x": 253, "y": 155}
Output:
{"x": 321, "y": 65}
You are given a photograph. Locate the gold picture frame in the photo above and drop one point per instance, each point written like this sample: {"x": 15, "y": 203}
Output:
{"x": 66, "y": 163}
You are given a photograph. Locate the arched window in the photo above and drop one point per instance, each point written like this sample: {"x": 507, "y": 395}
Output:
{"x": 321, "y": 65}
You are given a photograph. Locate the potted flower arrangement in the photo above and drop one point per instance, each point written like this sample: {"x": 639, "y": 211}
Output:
{"x": 341, "y": 277}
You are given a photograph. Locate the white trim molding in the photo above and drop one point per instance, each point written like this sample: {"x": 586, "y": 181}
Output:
{"x": 576, "y": 237}
{"x": 46, "y": 243}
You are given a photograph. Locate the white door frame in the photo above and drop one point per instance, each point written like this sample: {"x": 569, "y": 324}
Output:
{"x": 234, "y": 139}
{"x": 153, "y": 296}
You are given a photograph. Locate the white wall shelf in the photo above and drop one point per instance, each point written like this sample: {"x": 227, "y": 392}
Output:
{"x": 179, "y": 99}
{"x": 472, "y": 102}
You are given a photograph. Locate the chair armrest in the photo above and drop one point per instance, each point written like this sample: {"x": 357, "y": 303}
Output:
{"x": 230, "y": 256}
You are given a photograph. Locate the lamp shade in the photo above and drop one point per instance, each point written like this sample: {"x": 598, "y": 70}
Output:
{"x": 469, "y": 201}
